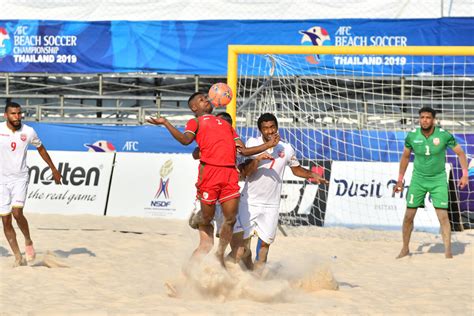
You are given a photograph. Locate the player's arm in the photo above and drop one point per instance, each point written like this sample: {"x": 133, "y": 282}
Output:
{"x": 197, "y": 153}
{"x": 44, "y": 154}
{"x": 464, "y": 166}
{"x": 248, "y": 167}
{"x": 250, "y": 151}
{"x": 184, "y": 138}
{"x": 402, "y": 169}
{"x": 308, "y": 174}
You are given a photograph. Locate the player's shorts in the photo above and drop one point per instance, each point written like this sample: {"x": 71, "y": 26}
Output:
{"x": 12, "y": 195}
{"x": 438, "y": 189}
{"x": 262, "y": 220}
{"x": 217, "y": 183}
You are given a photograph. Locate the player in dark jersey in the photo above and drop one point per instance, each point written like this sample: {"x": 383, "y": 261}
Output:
{"x": 429, "y": 144}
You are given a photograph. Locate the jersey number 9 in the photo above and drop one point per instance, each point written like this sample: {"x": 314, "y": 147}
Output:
{"x": 13, "y": 146}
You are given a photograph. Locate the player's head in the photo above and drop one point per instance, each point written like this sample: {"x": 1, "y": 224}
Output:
{"x": 199, "y": 103}
{"x": 225, "y": 116}
{"x": 13, "y": 115}
{"x": 267, "y": 125}
{"x": 427, "y": 118}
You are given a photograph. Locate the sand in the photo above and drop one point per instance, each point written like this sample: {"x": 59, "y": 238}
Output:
{"x": 89, "y": 265}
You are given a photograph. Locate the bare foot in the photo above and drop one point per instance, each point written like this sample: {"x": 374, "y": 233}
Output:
{"x": 403, "y": 253}
{"x": 19, "y": 262}
{"x": 448, "y": 255}
{"x": 220, "y": 258}
{"x": 195, "y": 219}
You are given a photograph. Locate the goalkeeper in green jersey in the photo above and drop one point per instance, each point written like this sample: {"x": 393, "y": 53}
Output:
{"x": 429, "y": 143}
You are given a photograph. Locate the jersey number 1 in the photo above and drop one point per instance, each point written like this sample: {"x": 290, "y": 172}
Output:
{"x": 13, "y": 146}
{"x": 427, "y": 153}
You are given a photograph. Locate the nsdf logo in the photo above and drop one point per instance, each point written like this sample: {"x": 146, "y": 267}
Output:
{"x": 162, "y": 196}
{"x": 315, "y": 36}
{"x": 71, "y": 175}
{"x": 5, "y": 44}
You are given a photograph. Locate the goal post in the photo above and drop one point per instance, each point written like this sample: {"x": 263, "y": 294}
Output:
{"x": 346, "y": 112}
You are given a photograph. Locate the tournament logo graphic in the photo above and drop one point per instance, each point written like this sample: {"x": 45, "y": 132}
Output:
{"x": 315, "y": 36}
{"x": 165, "y": 170}
{"x": 101, "y": 146}
{"x": 4, "y": 40}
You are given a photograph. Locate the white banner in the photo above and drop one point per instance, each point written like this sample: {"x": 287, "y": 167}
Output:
{"x": 86, "y": 179}
{"x": 153, "y": 185}
{"x": 361, "y": 194}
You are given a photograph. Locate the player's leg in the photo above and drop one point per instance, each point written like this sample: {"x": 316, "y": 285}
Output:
{"x": 19, "y": 190}
{"x": 445, "y": 231}
{"x": 407, "y": 228}
{"x": 241, "y": 238}
{"x": 8, "y": 230}
{"x": 440, "y": 198}
{"x": 22, "y": 224}
{"x": 415, "y": 199}
{"x": 229, "y": 213}
{"x": 266, "y": 224}
{"x": 206, "y": 231}
{"x": 11, "y": 238}
{"x": 245, "y": 253}
{"x": 261, "y": 254}
{"x": 229, "y": 196}
{"x": 207, "y": 194}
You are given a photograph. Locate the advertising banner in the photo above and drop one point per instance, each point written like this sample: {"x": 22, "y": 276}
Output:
{"x": 200, "y": 46}
{"x": 361, "y": 194}
{"x": 85, "y": 183}
{"x": 153, "y": 185}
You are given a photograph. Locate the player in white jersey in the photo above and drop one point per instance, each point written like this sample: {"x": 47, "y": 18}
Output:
{"x": 14, "y": 140}
{"x": 260, "y": 197}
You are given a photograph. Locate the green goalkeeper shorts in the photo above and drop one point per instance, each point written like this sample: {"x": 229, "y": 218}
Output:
{"x": 438, "y": 189}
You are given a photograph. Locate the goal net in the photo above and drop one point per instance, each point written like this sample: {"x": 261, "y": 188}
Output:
{"x": 346, "y": 112}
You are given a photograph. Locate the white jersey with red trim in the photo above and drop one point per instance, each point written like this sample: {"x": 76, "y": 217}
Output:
{"x": 263, "y": 187}
{"x": 13, "y": 149}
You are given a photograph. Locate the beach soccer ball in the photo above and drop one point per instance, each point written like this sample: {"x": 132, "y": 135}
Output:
{"x": 220, "y": 94}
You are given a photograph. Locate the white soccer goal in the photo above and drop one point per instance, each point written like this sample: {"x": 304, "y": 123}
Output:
{"x": 346, "y": 111}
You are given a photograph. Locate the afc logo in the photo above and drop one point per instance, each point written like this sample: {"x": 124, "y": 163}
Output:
{"x": 130, "y": 145}
{"x": 315, "y": 36}
{"x": 5, "y": 44}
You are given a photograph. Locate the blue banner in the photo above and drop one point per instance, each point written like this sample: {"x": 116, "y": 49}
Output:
{"x": 200, "y": 47}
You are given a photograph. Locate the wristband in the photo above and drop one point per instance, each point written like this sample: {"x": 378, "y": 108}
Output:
{"x": 465, "y": 173}
{"x": 400, "y": 177}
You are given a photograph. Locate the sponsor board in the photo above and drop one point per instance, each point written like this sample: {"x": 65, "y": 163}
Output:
{"x": 85, "y": 183}
{"x": 153, "y": 185}
{"x": 303, "y": 202}
{"x": 361, "y": 194}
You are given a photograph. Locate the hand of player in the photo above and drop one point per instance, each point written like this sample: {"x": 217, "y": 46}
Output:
{"x": 463, "y": 182}
{"x": 317, "y": 179}
{"x": 156, "y": 120}
{"x": 56, "y": 176}
{"x": 274, "y": 140}
{"x": 398, "y": 187}
{"x": 238, "y": 147}
{"x": 264, "y": 156}
{"x": 197, "y": 153}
